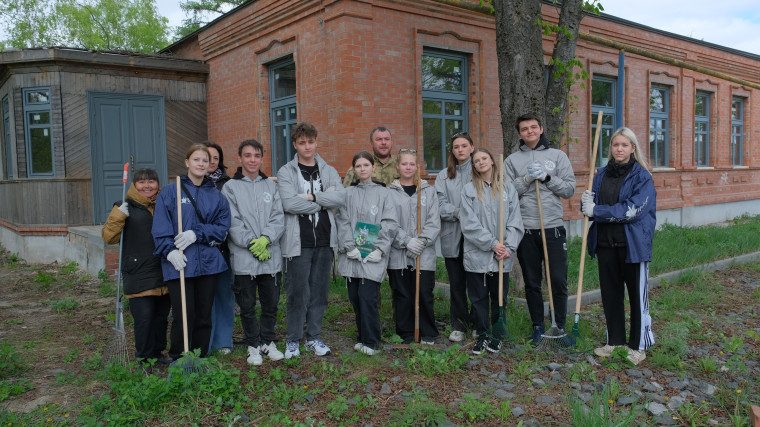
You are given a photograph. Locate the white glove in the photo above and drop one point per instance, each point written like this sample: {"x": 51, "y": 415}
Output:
{"x": 178, "y": 260}
{"x": 588, "y": 208}
{"x": 354, "y": 254}
{"x": 415, "y": 246}
{"x": 184, "y": 239}
{"x": 374, "y": 256}
{"x": 537, "y": 171}
{"x": 124, "y": 208}
{"x": 588, "y": 196}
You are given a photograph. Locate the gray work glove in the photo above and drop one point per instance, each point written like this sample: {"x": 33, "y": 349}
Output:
{"x": 178, "y": 260}
{"x": 354, "y": 254}
{"x": 415, "y": 246}
{"x": 184, "y": 239}
{"x": 587, "y": 203}
{"x": 374, "y": 256}
{"x": 124, "y": 208}
{"x": 537, "y": 171}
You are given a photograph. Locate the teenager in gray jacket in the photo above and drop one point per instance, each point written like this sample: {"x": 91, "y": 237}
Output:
{"x": 482, "y": 250}
{"x": 449, "y": 185}
{"x": 370, "y": 203}
{"x": 257, "y": 222}
{"x": 536, "y": 161}
{"x": 407, "y": 245}
{"x": 310, "y": 189}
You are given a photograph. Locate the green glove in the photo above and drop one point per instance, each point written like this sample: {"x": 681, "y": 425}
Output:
{"x": 264, "y": 255}
{"x": 259, "y": 244}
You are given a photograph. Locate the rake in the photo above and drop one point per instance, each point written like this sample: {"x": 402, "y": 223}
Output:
{"x": 575, "y": 332}
{"x": 554, "y": 337}
{"x": 499, "y": 329}
{"x": 117, "y": 343}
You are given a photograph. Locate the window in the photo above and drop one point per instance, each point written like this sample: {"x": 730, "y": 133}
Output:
{"x": 7, "y": 138}
{"x": 658, "y": 126}
{"x": 282, "y": 106}
{"x": 444, "y": 104}
{"x": 603, "y": 99}
{"x": 702, "y": 129}
{"x": 38, "y": 128}
{"x": 737, "y": 129}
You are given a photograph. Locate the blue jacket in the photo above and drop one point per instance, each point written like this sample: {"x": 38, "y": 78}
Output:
{"x": 203, "y": 256}
{"x": 636, "y": 210}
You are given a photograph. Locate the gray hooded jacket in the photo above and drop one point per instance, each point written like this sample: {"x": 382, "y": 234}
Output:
{"x": 255, "y": 211}
{"x": 449, "y": 194}
{"x": 406, "y": 211}
{"x": 370, "y": 203}
{"x": 560, "y": 186}
{"x": 480, "y": 226}
{"x": 289, "y": 185}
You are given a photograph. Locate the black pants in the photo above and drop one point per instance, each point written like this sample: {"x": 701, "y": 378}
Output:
{"x": 199, "y": 292}
{"x": 404, "y": 282}
{"x": 462, "y": 315}
{"x": 615, "y": 275}
{"x": 150, "y": 314}
{"x": 483, "y": 290}
{"x": 363, "y": 294}
{"x": 245, "y": 287}
{"x": 530, "y": 254}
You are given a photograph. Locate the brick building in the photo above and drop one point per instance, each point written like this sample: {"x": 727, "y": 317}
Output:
{"x": 427, "y": 68}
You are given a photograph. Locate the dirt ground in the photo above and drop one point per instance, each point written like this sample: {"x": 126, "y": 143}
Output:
{"x": 61, "y": 325}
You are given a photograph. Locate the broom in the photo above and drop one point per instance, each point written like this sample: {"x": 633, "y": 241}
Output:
{"x": 553, "y": 337}
{"x": 117, "y": 343}
{"x": 499, "y": 329}
{"x": 575, "y": 332}
{"x": 188, "y": 363}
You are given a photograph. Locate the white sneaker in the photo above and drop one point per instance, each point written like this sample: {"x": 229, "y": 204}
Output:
{"x": 427, "y": 341}
{"x": 254, "y": 358}
{"x": 636, "y": 356}
{"x": 368, "y": 350}
{"x": 358, "y": 346}
{"x": 456, "y": 336}
{"x": 292, "y": 350}
{"x": 270, "y": 351}
{"x": 225, "y": 351}
{"x": 605, "y": 351}
{"x": 318, "y": 347}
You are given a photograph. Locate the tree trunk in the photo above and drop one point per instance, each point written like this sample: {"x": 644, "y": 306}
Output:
{"x": 521, "y": 63}
{"x": 556, "y": 107}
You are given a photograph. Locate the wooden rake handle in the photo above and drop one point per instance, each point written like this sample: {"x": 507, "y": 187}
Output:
{"x": 182, "y": 270}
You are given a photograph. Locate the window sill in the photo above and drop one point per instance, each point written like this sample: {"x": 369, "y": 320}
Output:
{"x": 660, "y": 169}
{"x": 705, "y": 168}
{"x": 740, "y": 167}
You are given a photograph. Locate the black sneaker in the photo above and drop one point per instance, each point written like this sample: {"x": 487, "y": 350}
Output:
{"x": 480, "y": 345}
{"x": 494, "y": 345}
{"x": 538, "y": 331}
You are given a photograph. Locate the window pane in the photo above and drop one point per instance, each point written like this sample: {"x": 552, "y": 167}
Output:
{"x": 699, "y": 106}
{"x": 453, "y": 108}
{"x": 441, "y": 73}
{"x": 285, "y": 81}
{"x": 432, "y": 143}
{"x": 453, "y": 127}
{"x": 601, "y": 93}
{"x": 42, "y": 150}
{"x": 431, "y": 107}
{"x": 292, "y": 113}
{"x": 736, "y": 110}
{"x": 39, "y": 118}
{"x": 281, "y": 144}
{"x": 657, "y": 100}
{"x": 279, "y": 115}
{"x": 39, "y": 96}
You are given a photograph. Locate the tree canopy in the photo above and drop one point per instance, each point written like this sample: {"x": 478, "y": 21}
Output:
{"x": 132, "y": 25}
{"x": 201, "y": 12}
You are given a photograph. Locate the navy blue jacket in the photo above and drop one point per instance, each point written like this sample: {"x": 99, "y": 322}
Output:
{"x": 636, "y": 210}
{"x": 203, "y": 256}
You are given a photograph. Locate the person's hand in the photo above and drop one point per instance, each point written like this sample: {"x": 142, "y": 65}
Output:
{"x": 588, "y": 196}
{"x": 537, "y": 171}
{"x": 257, "y": 246}
{"x": 178, "y": 260}
{"x": 124, "y": 208}
{"x": 500, "y": 251}
{"x": 354, "y": 254}
{"x": 415, "y": 246}
{"x": 264, "y": 255}
{"x": 374, "y": 256}
{"x": 588, "y": 208}
{"x": 305, "y": 196}
{"x": 184, "y": 239}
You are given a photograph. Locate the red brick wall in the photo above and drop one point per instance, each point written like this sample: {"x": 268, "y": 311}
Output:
{"x": 357, "y": 65}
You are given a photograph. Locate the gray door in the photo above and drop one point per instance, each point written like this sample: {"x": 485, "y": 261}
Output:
{"x": 123, "y": 128}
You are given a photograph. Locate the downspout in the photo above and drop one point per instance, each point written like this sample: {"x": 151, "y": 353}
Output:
{"x": 619, "y": 105}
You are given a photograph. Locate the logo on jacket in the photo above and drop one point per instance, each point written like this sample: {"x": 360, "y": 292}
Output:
{"x": 549, "y": 165}
{"x": 267, "y": 197}
{"x": 185, "y": 200}
{"x": 423, "y": 199}
{"x": 373, "y": 210}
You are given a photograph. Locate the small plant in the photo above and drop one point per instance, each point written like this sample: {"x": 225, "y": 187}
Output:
{"x": 736, "y": 363}
{"x": 693, "y": 414}
{"x": 618, "y": 360}
{"x": 434, "y": 362}
{"x": 106, "y": 289}
{"x": 601, "y": 411}
{"x": 65, "y": 304}
{"x": 419, "y": 410}
{"x": 71, "y": 356}
{"x": 93, "y": 363}
{"x": 14, "y": 321}
{"x": 505, "y": 410}
{"x": 337, "y": 408}
{"x": 732, "y": 344}
{"x": 88, "y": 339}
{"x": 475, "y": 411}
{"x": 70, "y": 267}
{"x": 582, "y": 371}
{"x": 707, "y": 364}
{"x": 13, "y": 261}
{"x": 10, "y": 361}
{"x": 43, "y": 281}
{"x": 14, "y": 388}
{"x": 102, "y": 275}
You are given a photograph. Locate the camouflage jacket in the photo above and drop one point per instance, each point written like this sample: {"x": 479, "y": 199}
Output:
{"x": 384, "y": 172}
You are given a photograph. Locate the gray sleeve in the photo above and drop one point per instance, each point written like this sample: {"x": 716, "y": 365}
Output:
{"x": 448, "y": 211}
{"x": 514, "y": 225}
{"x": 239, "y": 233}
{"x": 287, "y": 185}
{"x": 276, "y": 224}
{"x": 431, "y": 226}
{"x": 518, "y": 182}
{"x": 563, "y": 183}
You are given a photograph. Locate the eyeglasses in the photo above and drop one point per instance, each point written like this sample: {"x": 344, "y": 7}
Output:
{"x": 407, "y": 150}
{"x": 458, "y": 134}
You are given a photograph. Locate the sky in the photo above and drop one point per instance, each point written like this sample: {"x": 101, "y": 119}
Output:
{"x": 730, "y": 23}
